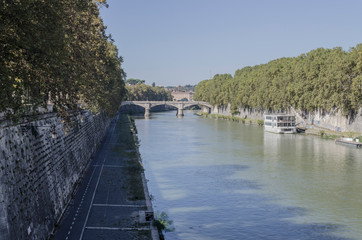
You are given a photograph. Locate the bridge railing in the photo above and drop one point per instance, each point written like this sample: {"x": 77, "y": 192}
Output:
{"x": 171, "y": 103}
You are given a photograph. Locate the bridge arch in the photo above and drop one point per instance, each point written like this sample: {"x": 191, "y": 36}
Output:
{"x": 147, "y": 105}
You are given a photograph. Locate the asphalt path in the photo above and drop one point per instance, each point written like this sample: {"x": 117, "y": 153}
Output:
{"x": 110, "y": 202}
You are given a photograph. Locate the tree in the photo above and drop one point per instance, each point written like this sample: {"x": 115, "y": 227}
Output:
{"x": 321, "y": 79}
{"x": 57, "y": 51}
{"x": 143, "y": 92}
{"x": 133, "y": 81}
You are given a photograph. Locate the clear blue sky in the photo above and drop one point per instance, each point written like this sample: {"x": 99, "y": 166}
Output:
{"x": 172, "y": 42}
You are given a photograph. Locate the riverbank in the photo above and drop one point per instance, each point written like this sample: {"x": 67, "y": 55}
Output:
{"x": 231, "y": 118}
{"x": 311, "y": 130}
{"x": 112, "y": 201}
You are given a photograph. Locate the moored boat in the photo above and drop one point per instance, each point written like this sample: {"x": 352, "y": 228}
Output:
{"x": 280, "y": 123}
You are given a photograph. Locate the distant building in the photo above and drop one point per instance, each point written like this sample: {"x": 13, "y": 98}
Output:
{"x": 182, "y": 96}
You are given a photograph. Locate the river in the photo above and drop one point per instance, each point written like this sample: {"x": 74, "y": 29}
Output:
{"x": 218, "y": 179}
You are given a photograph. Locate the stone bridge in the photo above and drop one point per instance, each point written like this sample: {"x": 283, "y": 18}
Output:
{"x": 147, "y": 105}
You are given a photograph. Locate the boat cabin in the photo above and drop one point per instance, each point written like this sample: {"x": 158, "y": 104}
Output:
{"x": 280, "y": 123}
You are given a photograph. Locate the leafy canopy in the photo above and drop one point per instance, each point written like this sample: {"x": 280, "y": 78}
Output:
{"x": 321, "y": 79}
{"x": 57, "y": 51}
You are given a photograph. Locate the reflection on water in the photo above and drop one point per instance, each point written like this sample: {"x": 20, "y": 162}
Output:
{"x": 222, "y": 180}
{"x": 322, "y": 177}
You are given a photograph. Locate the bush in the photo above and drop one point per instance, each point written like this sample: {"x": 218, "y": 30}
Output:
{"x": 163, "y": 224}
{"x": 260, "y": 122}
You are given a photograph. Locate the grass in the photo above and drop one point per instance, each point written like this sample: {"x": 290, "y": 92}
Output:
{"x": 231, "y": 118}
{"x": 127, "y": 152}
{"x": 332, "y": 135}
{"x": 134, "y": 180}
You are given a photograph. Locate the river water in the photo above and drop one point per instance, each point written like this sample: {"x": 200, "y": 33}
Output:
{"x": 218, "y": 179}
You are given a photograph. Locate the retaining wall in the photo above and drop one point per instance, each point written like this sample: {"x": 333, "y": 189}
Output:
{"x": 333, "y": 120}
{"x": 40, "y": 166}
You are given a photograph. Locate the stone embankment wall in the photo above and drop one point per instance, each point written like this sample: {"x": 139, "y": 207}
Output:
{"x": 333, "y": 120}
{"x": 40, "y": 166}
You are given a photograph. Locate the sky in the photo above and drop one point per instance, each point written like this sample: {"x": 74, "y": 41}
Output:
{"x": 179, "y": 42}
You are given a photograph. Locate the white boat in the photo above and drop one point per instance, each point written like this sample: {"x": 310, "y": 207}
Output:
{"x": 280, "y": 123}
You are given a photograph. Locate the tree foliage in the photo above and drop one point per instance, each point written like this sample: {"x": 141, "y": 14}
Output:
{"x": 57, "y": 51}
{"x": 134, "y": 81}
{"x": 143, "y": 92}
{"x": 185, "y": 88}
{"x": 321, "y": 79}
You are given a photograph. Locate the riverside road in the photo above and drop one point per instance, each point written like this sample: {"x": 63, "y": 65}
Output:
{"x": 110, "y": 202}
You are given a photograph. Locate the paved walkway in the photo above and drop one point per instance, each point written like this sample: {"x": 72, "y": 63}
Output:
{"x": 110, "y": 203}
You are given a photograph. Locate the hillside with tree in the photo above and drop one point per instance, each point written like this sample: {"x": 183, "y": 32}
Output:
{"x": 321, "y": 79}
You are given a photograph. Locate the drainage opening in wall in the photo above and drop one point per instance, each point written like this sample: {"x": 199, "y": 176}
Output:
{"x": 146, "y": 216}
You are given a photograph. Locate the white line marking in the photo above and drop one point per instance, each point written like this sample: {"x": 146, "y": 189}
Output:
{"x": 116, "y": 205}
{"x": 85, "y": 192}
{"x": 122, "y": 229}
{"x": 91, "y": 203}
{"x": 99, "y": 177}
{"x": 110, "y": 166}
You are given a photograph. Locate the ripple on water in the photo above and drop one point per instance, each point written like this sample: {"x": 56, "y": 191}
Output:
{"x": 222, "y": 180}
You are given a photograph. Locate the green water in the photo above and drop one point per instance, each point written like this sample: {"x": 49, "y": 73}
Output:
{"x": 223, "y": 180}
